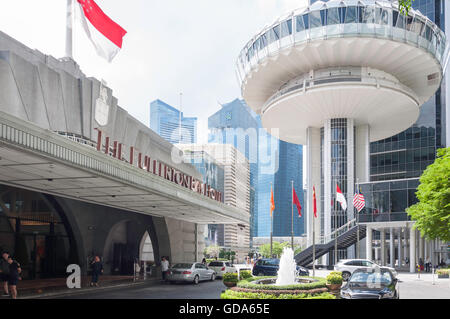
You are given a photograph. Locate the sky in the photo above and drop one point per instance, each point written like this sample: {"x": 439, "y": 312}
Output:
{"x": 172, "y": 46}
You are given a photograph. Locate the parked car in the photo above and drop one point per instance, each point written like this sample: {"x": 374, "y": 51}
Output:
{"x": 222, "y": 267}
{"x": 371, "y": 283}
{"x": 348, "y": 266}
{"x": 190, "y": 272}
{"x": 270, "y": 266}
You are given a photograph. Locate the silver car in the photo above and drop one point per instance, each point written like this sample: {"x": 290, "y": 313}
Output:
{"x": 190, "y": 272}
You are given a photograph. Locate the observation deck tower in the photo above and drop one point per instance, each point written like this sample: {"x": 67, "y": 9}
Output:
{"x": 336, "y": 76}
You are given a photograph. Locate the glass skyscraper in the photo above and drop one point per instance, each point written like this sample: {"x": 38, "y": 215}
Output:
{"x": 213, "y": 175}
{"x": 406, "y": 155}
{"x": 165, "y": 120}
{"x": 272, "y": 162}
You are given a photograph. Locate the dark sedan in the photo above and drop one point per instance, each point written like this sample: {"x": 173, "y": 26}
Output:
{"x": 270, "y": 266}
{"x": 376, "y": 283}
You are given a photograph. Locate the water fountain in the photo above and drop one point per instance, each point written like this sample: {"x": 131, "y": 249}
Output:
{"x": 287, "y": 272}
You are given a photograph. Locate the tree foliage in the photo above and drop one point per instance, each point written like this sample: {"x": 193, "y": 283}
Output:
{"x": 432, "y": 212}
{"x": 277, "y": 249}
{"x": 404, "y": 6}
{"x": 212, "y": 251}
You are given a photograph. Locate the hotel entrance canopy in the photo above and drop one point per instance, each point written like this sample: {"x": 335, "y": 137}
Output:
{"x": 40, "y": 160}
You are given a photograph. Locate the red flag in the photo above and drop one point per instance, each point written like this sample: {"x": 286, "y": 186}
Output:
{"x": 314, "y": 202}
{"x": 272, "y": 202}
{"x": 296, "y": 202}
{"x": 104, "y": 33}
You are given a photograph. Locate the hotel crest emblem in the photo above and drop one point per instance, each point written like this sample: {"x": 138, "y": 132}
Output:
{"x": 102, "y": 107}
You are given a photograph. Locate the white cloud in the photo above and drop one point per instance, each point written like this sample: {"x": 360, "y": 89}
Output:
{"x": 171, "y": 46}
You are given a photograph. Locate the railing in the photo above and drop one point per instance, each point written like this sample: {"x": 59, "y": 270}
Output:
{"x": 306, "y": 84}
{"x": 337, "y": 232}
{"x": 383, "y": 217}
{"x": 429, "y": 37}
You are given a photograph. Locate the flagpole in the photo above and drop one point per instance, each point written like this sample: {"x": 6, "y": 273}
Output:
{"x": 357, "y": 222}
{"x": 69, "y": 29}
{"x": 292, "y": 218}
{"x": 314, "y": 239}
{"x": 271, "y": 221}
{"x": 335, "y": 228}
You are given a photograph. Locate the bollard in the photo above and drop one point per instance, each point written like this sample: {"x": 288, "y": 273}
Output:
{"x": 418, "y": 271}
{"x": 432, "y": 271}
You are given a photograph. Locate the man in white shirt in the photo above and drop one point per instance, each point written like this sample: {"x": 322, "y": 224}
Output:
{"x": 164, "y": 267}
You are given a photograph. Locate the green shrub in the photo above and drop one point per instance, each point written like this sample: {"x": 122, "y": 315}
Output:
{"x": 334, "y": 278}
{"x": 248, "y": 283}
{"x": 443, "y": 271}
{"x": 245, "y": 274}
{"x": 230, "y": 277}
{"x": 231, "y": 294}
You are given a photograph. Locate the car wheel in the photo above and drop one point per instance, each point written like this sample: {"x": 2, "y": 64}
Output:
{"x": 213, "y": 277}
{"x": 196, "y": 280}
{"x": 345, "y": 275}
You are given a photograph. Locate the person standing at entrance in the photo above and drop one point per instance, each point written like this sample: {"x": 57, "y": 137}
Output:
{"x": 164, "y": 268}
{"x": 97, "y": 270}
{"x": 14, "y": 271}
{"x": 4, "y": 273}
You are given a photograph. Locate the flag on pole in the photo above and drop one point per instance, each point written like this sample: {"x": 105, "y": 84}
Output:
{"x": 340, "y": 197}
{"x": 272, "y": 202}
{"x": 104, "y": 33}
{"x": 296, "y": 202}
{"x": 314, "y": 202}
{"x": 358, "y": 202}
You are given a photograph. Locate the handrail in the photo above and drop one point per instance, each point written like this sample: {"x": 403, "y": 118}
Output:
{"x": 327, "y": 238}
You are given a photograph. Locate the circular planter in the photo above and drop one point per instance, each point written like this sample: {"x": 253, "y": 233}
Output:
{"x": 334, "y": 287}
{"x": 229, "y": 284}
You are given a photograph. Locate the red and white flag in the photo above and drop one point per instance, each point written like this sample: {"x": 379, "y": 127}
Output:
{"x": 358, "y": 202}
{"x": 104, "y": 33}
{"x": 340, "y": 198}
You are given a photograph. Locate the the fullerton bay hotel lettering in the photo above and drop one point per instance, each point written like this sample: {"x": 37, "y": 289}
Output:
{"x": 156, "y": 167}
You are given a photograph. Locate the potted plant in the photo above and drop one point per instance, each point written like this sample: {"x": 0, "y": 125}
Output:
{"x": 334, "y": 280}
{"x": 230, "y": 279}
{"x": 443, "y": 273}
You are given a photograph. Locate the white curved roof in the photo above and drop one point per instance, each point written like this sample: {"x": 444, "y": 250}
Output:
{"x": 412, "y": 50}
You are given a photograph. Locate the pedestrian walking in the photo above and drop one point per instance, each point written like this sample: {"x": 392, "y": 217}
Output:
{"x": 14, "y": 276}
{"x": 97, "y": 270}
{"x": 4, "y": 273}
{"x": 427, "y": 265}
{"x": 204, "y": 261}
{"x": 164, "y": 268}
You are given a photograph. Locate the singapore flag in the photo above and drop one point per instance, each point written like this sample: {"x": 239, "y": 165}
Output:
{"x": 104, "y": 33}
{"x": 340, "y": 197}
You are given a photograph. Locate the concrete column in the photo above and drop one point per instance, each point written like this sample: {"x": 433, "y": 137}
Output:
{"x": 392, "y": 248}
{"x": 313, "y": 179}
{"x": 196, "y": 243}
{"x": 383, "y": 247}
{"x": 399, "y": 248}
{"x": 412, "y": 250}
{"x": 422, "y": 248}
{"x": 362, "y": 153}
{"x": 405, "y": 244}
{"x": 327, "y": 192}
{"x": 350, "y": 168}
{"x": 369, "y": 243}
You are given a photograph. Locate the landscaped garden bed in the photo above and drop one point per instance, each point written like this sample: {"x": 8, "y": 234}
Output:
{"x": 264, "y": 288}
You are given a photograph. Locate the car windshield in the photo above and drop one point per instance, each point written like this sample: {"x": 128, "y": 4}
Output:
{"x": 371, "y": 278}
{"x": 182, "y": 266}
{"x": 272, "y": 262}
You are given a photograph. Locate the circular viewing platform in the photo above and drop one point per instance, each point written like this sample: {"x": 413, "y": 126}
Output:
{"x": 365, "y": 46}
